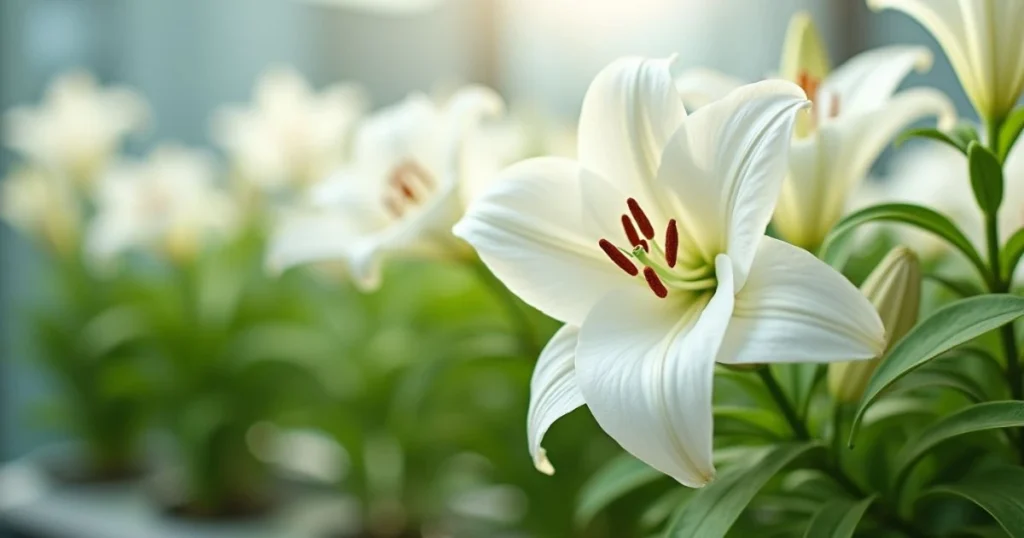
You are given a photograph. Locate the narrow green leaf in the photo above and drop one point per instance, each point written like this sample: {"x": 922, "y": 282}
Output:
{"x": 1012, "y": 252}
{"x": 960, "y": 287}
{"x": 617, "y": 478}
{"x": 838, "y": 519}
{"x": 947, "y": 328}
{"x": 976, "y": 418}
{"x": 940, "y": 378}
{"x": 986, "y": 177}
{"x": 1010, "y": 132}
{"x": 760, "y": 419}
{"x": 932, "y": 134}
{"x": 964, "y": 133}
{"x": 913, "y": 215}
{"x": 714, "y": 509}
{"x": 998, "y": 491}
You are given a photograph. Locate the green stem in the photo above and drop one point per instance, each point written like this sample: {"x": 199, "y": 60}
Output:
{"x": 798, "y": 426}
{"x": 520, "y": 321}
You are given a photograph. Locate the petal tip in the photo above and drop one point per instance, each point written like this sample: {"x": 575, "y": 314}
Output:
{"x": 542, "y": 464}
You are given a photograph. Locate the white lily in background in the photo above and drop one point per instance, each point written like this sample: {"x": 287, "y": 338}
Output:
{"x": 77, "y": 128}
{"x": 982, "y": 39}
{"x": 290, "y": 136}
{"x": 651, "y": 249}
{"x": 44, "y": 206}
{"x": 855, "y": 116}
{"x": 169, "y": 202}
{"x": 415, "y": 168}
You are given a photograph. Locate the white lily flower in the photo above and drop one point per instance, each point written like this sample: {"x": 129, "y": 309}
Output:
{"x": 856, "y": 114}
{"x": 291, "y": 136}
{"x": 651, "y": 249}
{"x": 416, "y": 166}
{"x": 982, "y": 39}
{"x": 170, "y": 202}
{"x": 78, "y": 127}
{"x": 44, "y": 206}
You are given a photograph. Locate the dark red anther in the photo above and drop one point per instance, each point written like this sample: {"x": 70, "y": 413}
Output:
{"x": 627, "y": 225}
{"x": 671, "y": 243}
{"x": 641, "y": 219}
{"x": 618, "y": 257}
{"x": 655, "y": 283}
{"x": 643, "y": 243}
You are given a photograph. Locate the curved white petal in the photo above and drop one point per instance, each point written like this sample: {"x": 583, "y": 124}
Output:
{"x": 529, "y": 230}
{"x": 310, "y": 237}
{"x": 726, "y": 165}
{"x": 646, "y": 366}
{"x": 553, "y": 392}
{"x": 700, "y": 86}
{"x": 629, "y": 113}
{"x": 868, "y": 80}
{"x": 795, "y": 308}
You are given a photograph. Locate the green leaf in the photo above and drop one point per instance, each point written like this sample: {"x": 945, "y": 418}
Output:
{"x": 986, "y": 177}
{"x": 763, "y": 420}
{"x": 976, "y": 418}
{"x": 1010, "y": 132}
{"x": 932, "y": 134}
{"x": 714, "y": 509}
{"x": 941, "y": 378}
{"x": 838, "y": 519}
{"x": 947, "y": 328}
{"x": 1012, "y": 252}
{"x": 914, "y": 215}
{"x": 617, "y": 478}
{"x": 964, "y": 133}
{"x": 998, "y": 491}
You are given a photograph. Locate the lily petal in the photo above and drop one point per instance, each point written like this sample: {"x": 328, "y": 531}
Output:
{"x": 795, "y": 308}
{"x": 840, "y": 158}
{"x": 726, "y": 165}
{"x": 529, "y": 230}
{"x": 646, "y": 366}
{"x": 553, "y": 392}
{"x": 869, "y": 79}
{"x": 629, "y": 113}
{"x": 700, "y": 86}
{"x": 310, "y": 237}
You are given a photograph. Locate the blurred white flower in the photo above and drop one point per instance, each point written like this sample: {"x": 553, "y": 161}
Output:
{"x": 169, "y": 202}
{"x": 44, "y": 206}
{"x": 380, "y": 7}
{"x": 982, "y": 39}
{"x": 416, "y": 166}
{"x": 78, "y": 127}
{"x": 854, "y": 117}
{"x": 936, "y": 176}
{"x": 289, "y": 135}
{"x": 651, "y": 249}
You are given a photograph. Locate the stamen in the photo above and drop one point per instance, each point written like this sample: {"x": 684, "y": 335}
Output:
{"x": 671, "y": 243}
{"x": 618, "y": 257}
{"x": 627, "y": 225}
{"x": 834, "y": 111}
{"x": 641, "y": 218}
{"x": 392, "y": 206}
{"x": 655, "y": 283}
{"x": 646, "y": 247}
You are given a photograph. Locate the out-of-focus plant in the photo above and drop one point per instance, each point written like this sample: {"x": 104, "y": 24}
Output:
{"x": 80, "y": 330}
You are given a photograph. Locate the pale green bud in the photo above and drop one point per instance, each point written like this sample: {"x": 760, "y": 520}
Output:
{"x": 894, "y": 288}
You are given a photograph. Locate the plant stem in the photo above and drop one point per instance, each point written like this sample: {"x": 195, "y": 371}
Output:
{"x": 516, "y": 315}
{"x": 798, "y": 426}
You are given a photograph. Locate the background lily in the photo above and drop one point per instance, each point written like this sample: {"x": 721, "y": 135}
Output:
{"x": 290, "y": 135}
{"x": 168, "y": 202}
{"x": 982, "y": 39}
{"x": 651, "y": 250}
{"x": 855, "y": 115}
{"x": 44, "y": 206}
{"x": 77, "y": 128}
{"x": 416, "y": 166}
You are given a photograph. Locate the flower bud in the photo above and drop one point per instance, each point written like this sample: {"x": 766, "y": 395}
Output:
{"x": 894, "y": 288}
